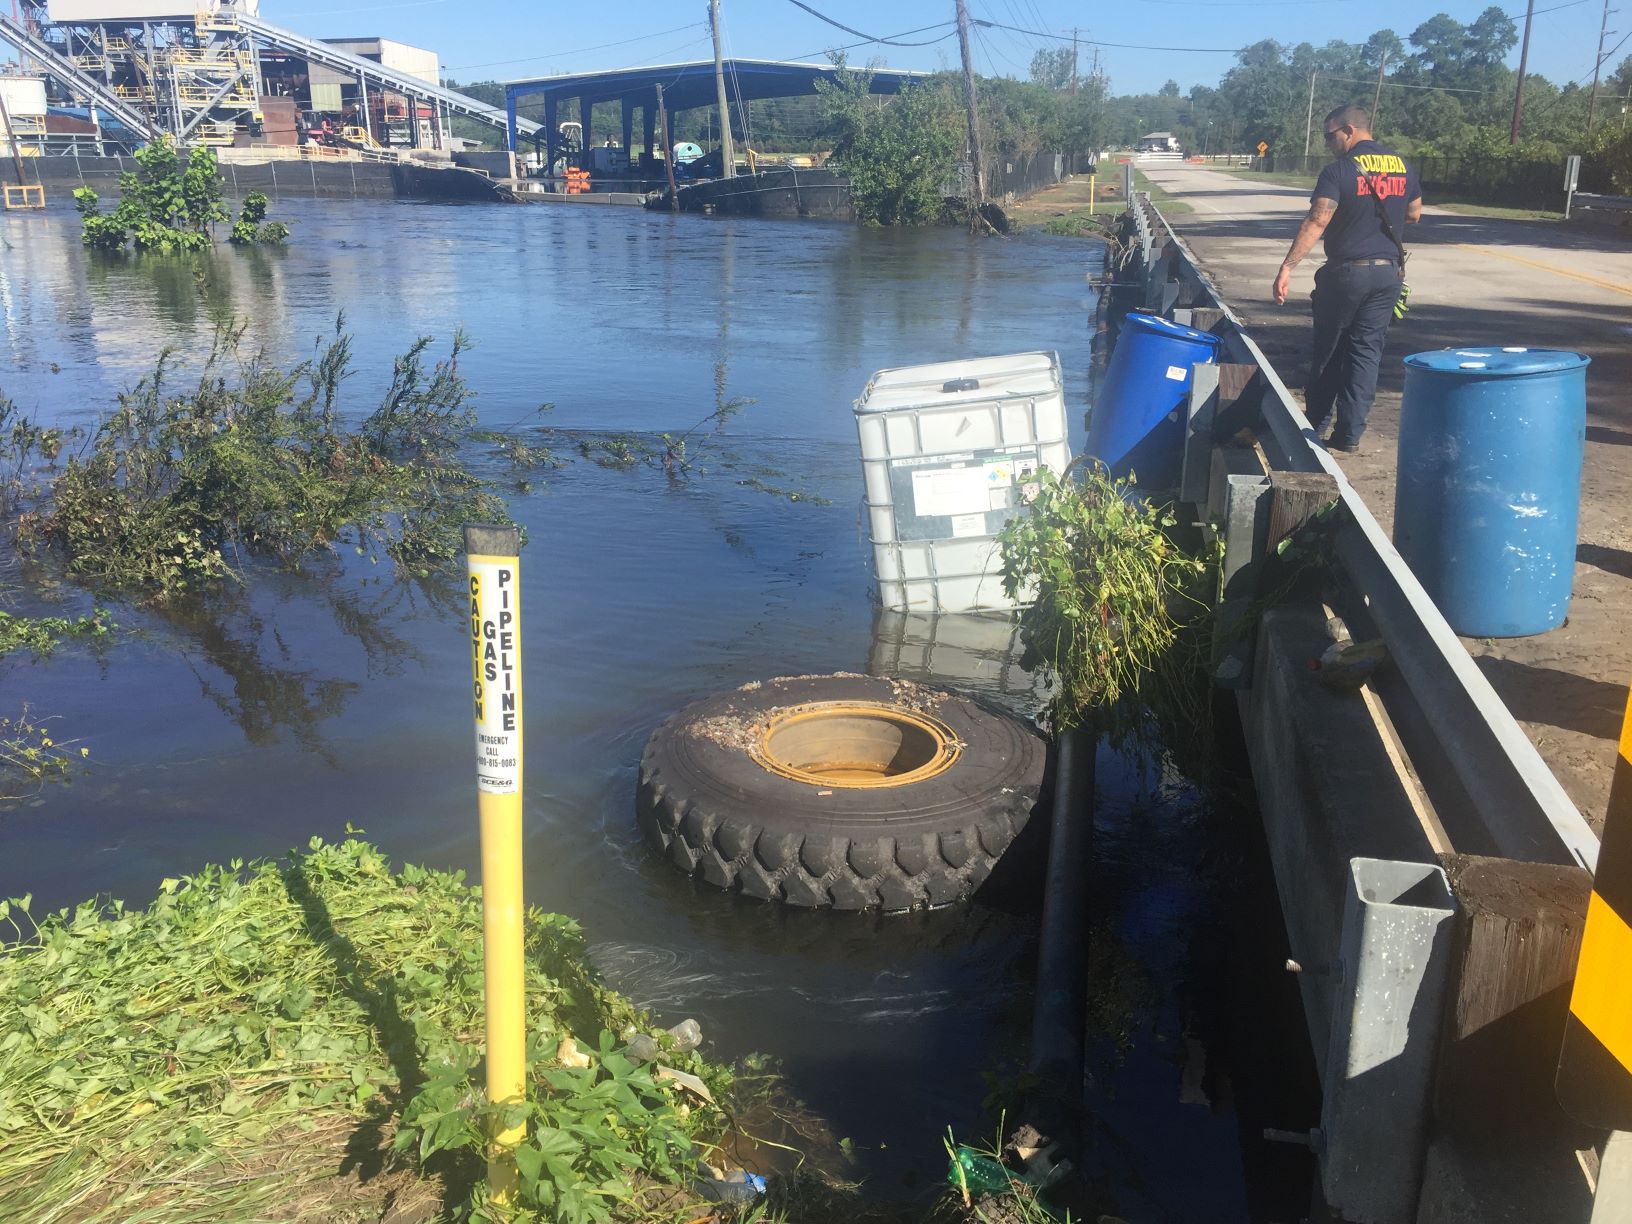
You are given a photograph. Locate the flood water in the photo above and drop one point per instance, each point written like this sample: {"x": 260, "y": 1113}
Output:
{"x": 294, "y": 705}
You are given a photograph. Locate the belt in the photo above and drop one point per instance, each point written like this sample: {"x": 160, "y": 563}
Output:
{"x": 1363, "y": 263}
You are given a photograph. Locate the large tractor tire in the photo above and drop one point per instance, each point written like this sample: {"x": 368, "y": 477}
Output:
{"x": 844, "y": 791}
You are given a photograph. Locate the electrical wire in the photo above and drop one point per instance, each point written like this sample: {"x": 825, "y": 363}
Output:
{"x": 1388, "y": 84}
{"x": 820, "y": 16}
{"x": 531, "y": 59}
{"x": 1099, "y": 42}
{"x": 920, "y": 30}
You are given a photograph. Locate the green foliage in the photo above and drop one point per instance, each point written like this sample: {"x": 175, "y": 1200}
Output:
{"x": 25, "y": 449}
{"x": 1109, "y": 593}
{"x": 901, "y": 157}
{"x": 29, "y": 758}
{"x": 1080, "y": 223}
{"x": 252, "y": 225}
{"x": 179, "y": 488}
{"x": 1445, "y": 91}
{"x": 222, "y": 1053}
{"x": 593, "y": 1134}
{"x": 40, "y": 635}
{"x": 1053, "y": 67}
{"x": 167, "y": 204}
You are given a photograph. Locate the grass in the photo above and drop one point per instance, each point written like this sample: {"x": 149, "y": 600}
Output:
{"x": 1457, "y": 204}
{"x": 1080, "y": 223}
{"x": 1286, "y": 178}
{"x": 1169, "y": 204}
{"x": 247, "y": 1047}
{"x": 1472, "y": 208}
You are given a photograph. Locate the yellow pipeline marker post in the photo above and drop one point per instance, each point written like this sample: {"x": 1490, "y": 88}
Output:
{"x": 1093, "y": 186}
{"x": 495, "y": 655}
{"x": 1595, "y": 1066}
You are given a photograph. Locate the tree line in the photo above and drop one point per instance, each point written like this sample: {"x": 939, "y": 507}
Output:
{"x": 1441, "y": 90}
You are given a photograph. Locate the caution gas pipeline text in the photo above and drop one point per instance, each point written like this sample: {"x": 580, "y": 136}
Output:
{"x": 495, "y": 655}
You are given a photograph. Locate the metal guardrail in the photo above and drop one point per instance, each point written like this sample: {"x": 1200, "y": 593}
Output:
{"x": 1514, "y": 805}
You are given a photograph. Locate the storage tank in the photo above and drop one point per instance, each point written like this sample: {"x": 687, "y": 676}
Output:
{"x": 24, "y": 97}
{"x": 1489, "y": 490}
{"x": 1140, "y": 410}
{"x": 948, "y": 451}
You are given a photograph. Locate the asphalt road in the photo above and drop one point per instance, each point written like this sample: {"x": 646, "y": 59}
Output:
{"x": 1477, "y": 282}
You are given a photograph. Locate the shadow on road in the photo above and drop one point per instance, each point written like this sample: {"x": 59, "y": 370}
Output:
{"x": 1557, "y": 698}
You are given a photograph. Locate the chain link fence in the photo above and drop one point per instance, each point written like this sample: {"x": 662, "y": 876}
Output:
{"x": 1020, "y": 176}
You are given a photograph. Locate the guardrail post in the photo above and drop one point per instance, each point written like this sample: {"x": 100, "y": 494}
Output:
{"x": 1397, "y": 923}
{"x": 1196, "y": 465}
{"x": 1239, "y": 508}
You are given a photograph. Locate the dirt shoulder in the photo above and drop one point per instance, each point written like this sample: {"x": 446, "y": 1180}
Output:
{"x": 1478, "y": 281}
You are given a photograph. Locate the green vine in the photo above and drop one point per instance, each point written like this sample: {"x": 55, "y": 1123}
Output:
{"x": 1110, "y": 598}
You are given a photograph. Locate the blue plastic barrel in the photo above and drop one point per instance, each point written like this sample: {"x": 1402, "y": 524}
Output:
{"x": 1490, "y": 484}
{"x": 1139, "y": 415}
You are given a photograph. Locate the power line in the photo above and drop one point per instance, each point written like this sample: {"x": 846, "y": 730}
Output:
{"x": 533, "y": 59}
{"x": 1099, "y": 42}
{"x": 1326, "y": 76}
{"x": 892, "y": 40}
{"x": 820, "y": 16}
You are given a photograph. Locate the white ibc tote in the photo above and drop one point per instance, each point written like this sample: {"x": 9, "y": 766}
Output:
{"x": 948, "y": 451}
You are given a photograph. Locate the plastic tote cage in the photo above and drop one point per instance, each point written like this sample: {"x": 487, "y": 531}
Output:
{"x": 948, "y": 451}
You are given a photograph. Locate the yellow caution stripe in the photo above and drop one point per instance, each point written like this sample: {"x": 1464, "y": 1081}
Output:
{"x": 1595, "y": 1065}
{"x": 1602, "y": 999}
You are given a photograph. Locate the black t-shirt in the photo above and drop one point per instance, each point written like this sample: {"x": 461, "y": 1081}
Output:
{"x": 1354, "y": 232}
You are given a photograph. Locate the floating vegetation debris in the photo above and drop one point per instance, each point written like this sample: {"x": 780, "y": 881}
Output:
{"x": 1109, "y": 594}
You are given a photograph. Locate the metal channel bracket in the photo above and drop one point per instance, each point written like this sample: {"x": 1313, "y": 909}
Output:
{"x": 1396, "y": 945}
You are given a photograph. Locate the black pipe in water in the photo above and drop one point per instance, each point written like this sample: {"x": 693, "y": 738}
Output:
{"x": 1060, "y": 1013}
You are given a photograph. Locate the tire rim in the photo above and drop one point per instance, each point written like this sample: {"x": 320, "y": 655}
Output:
{"x": 852, "y": 745}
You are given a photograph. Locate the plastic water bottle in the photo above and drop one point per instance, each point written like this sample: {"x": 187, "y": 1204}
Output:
{"x": 688, "y": 1035}
{"x": 737, "y": 1186}
{"x": 642, "y": 1048}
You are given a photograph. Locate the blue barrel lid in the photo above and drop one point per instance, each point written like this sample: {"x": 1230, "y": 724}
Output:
{"x": 1166, "y": 327}
{"x": 1497, "y": 362}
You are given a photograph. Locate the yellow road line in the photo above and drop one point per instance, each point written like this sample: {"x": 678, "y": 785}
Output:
{"x": 1612, "y": 286}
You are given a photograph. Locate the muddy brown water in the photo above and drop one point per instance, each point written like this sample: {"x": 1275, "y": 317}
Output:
{"x": 295, "y": 705}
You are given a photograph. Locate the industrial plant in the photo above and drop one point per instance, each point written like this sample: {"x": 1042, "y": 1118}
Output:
{"x": 98, "y": 77}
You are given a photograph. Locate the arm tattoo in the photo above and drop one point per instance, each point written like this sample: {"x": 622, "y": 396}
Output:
{"x": 1320, "y": 213}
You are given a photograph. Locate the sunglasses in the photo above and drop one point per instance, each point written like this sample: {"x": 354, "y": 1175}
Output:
{"x": 1332, "y": 134}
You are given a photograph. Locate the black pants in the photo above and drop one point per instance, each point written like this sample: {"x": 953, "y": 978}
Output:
{"x": 1353, "y": 305}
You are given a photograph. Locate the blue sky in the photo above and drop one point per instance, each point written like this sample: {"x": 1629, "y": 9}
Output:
{"x": 506, "y": 39}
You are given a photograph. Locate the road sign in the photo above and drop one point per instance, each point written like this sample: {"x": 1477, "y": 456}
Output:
{"x": 1262, "y": 148}
{"x": 1595, "y": 1065}
{"x": 1572, "y": 176}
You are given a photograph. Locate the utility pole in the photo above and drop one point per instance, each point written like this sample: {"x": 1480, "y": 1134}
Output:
{"x": 1073, "y": 61}
{"x": 971, "y": 104}
{"x": 1309, "y": 119}
{"x": 728, "y": 154}
{"x": 1524, "y": 60}
{"x": 1597, "y": 67}
{"x": 1377, "y": 96}
{"x": 668, "y": 151}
